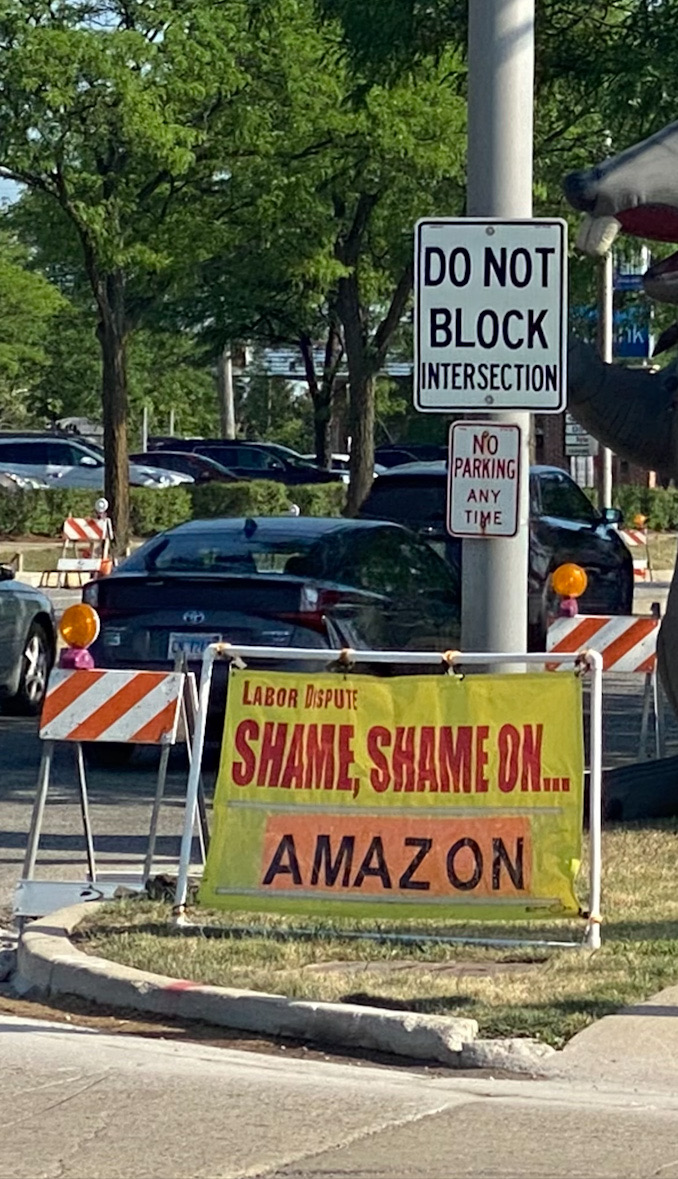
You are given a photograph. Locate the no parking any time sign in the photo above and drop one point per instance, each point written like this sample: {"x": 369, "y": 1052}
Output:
{"x": 483, "y": 479}
{"x": 491, "y": 315}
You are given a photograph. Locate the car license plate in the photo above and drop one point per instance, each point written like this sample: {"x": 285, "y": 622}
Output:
{"x": 193, "y": 646}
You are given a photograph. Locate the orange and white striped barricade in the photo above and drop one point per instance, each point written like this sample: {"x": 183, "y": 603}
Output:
{"x": 628, "y": 644}
{"x": 637, "y": 538}
{"x": 86, "y": 549}
{"x": 105, "y": 706}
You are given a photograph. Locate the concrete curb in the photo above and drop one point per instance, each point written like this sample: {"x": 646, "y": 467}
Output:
{"x": 49, "y": 963}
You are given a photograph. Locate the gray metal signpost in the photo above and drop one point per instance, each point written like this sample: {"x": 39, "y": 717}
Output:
{"x": 500, "y": 146}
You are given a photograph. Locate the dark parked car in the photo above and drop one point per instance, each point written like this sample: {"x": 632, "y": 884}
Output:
{"x": 27, "y": 644}
{"x": 564, "y": 526}
{"x": 198, "y": 466}
{"x": 273, "y": 581}
{"x": 251, "y": 460}
{"x": 394, "y": 454}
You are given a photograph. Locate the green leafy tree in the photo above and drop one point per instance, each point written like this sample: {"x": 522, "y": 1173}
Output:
{"x": 112, "y": 109}
{"x": 322, "y": 250}
{"x": 29, "y": 306}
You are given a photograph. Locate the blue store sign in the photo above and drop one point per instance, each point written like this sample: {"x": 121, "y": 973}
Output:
{"x": 632, "y": 336}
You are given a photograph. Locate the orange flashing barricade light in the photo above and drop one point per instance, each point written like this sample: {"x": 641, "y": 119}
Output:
{"x": 569, "y": 581}
{"x": 79, "y": 627}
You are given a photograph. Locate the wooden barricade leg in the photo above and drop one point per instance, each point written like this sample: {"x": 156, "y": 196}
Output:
{"x": 644, "y": 724}
{"x": 35, "y": 828}
{"x": 658, "y": 703}
{"x": 190, "y": 704}
{"x": 155, "y": 814}
{"x": 188, "y": 707}
{"x": 189, "y": 710}
{"x": 84, "y": 811}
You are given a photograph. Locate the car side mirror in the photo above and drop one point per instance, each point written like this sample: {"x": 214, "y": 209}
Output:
{"x": 612, "y": 516}
{"x": 7, "y": 573}
{"x": 88, "y": 461}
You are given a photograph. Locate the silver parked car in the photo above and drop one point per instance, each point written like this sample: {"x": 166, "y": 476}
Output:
{"x": 67, "y": 462}
{"x": 27, "y": 644}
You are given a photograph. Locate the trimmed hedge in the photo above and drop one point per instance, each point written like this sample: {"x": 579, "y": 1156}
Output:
{"x": 265, "y": 498}
{"x": 658, "y": 504}
{"x": 319, "y": 499}
{"x": 42, "y": 513}
{"x": 153, "y": 511}
{"x": 261, "y": 497}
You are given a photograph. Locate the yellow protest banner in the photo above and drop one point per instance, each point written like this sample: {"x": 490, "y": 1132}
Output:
{"x": 417, "y": 796}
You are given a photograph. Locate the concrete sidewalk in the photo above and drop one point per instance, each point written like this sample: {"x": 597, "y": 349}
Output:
{"x": 636, "y": 1049}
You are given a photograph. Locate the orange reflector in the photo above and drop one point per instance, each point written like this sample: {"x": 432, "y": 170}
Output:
{"x": 79, "y": 625}
{"x": 569, "y": 581}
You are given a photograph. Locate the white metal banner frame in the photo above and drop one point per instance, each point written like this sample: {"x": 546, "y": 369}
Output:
{"x": 588, "y": 661}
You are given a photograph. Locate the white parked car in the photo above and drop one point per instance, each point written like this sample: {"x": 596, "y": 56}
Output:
{"x": 68, "y": 462}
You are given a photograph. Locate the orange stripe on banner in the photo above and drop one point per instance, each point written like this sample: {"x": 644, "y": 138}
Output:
{"x": 76, "y": 527}
{"x": 112, "y": 710}
{"x": 163, "y": 722}
{"x": 586, "y": 629}
{"x": 648, "y": 664}
{"x": 61, "y": 697}
{"x": 627, "y": 639}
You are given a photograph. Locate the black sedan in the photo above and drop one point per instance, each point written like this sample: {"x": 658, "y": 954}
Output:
{"x": 27, "y": 644}
{"x": 564, "y": 526}
{"x": 276, "y": 582}
{"x": 251, "y": 460}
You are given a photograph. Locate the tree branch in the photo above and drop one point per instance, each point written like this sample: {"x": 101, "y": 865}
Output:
{"x": 388, "y": 325}
{"x": 347, "y": 249}
{"x": 306, "y": 348}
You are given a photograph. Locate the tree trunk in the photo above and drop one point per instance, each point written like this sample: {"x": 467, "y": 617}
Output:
{"x": 112, "y": 331}
{"x": 361, "y": 464}
{"x": 321, "y": 435}
{"x": 321, "y": 392}
{"x": 226, "y": 395}
{"x": 361, "y": 382}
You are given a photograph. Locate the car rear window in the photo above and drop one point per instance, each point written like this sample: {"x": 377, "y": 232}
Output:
{"x": 232, "y": 553}
{"x": 412, "y": 501}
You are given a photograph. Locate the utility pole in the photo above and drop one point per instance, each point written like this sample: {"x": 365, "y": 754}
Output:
{"x": 606, "y": 349}
{"x": 144, "y": 429}
{"x": 500, "y": 148}
{"x": 226, "y": 398}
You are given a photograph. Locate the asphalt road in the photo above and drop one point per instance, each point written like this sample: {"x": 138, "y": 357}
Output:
{"x": 80, "y": 1104}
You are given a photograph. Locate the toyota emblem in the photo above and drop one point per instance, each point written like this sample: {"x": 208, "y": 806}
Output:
{"x": 194, "y": 617}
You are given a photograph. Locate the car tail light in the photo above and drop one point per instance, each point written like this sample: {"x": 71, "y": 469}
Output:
{"x": 91, "y": 595}
{"x": 313, "y": 607}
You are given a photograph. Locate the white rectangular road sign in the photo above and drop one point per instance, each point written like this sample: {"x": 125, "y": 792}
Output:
{"x": 578, "y": 443}
{"x": 491, "y": 315}
{"x": 483, "y": 479}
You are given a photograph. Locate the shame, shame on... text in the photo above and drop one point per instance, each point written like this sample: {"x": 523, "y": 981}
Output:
{"x": 407, "y": 758}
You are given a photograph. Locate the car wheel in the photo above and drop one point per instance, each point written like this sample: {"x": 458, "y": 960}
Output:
{"x": 36, "y": 663}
